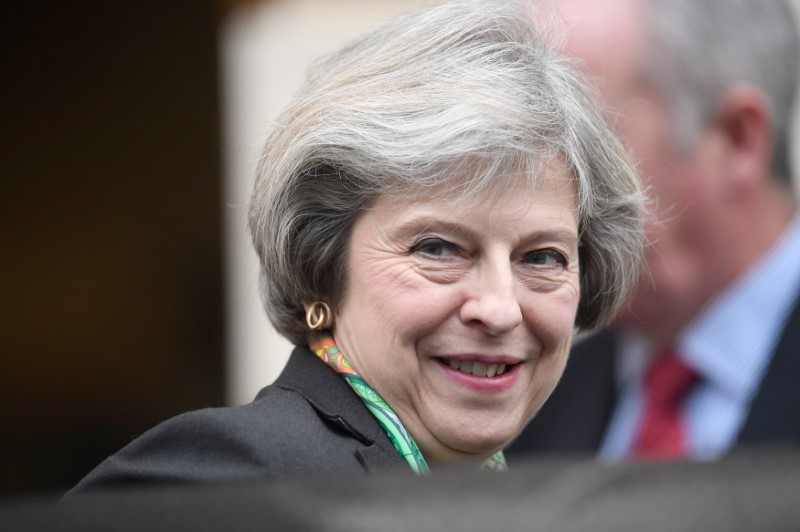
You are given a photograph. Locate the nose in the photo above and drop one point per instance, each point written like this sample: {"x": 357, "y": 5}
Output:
{"x": 491, "y": 303}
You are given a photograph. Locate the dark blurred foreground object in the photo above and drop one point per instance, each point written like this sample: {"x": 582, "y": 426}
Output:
{"x": 757, "y": 489}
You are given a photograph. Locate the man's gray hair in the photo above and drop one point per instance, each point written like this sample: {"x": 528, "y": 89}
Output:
{"x": 465, "y": 95}
{"x": 701, "y": 47}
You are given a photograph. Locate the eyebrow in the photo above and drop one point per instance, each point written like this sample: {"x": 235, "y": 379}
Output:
{"x": 425, "y": 223}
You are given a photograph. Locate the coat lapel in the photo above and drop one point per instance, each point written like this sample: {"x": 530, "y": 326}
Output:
{"x": 775, "y": 410}
{"x": 335, "y": 401}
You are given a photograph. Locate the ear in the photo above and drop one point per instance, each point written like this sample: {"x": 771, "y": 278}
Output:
{"x": 744, "y": 126}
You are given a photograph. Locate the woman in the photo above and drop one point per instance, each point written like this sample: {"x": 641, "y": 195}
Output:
{"x": 436, "y": 214}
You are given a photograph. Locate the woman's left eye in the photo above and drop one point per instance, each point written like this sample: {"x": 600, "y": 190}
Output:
{"x": 435, "y": 247}
{"x": 546, "y": 257}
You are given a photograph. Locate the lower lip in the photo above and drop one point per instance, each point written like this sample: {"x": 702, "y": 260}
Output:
{"x": 496, "y": 384}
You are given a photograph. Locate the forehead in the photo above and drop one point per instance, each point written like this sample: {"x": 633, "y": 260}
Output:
{"x": 513, "y": 194}
{"x": 470, "y": 182}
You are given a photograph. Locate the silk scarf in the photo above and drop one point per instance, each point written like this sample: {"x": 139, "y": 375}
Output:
{"x": 327, "y": 351}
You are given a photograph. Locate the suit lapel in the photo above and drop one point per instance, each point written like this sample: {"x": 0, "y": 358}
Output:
{"x": 335, "y": 401}
{"x": 775, "y": 410}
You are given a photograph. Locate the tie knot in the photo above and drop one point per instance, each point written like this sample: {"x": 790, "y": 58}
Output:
{"x": 669, "y": 379}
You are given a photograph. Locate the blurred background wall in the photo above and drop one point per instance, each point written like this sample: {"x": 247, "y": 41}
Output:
{"x": 130, "y": 133}
{"x": 112, "y": 286}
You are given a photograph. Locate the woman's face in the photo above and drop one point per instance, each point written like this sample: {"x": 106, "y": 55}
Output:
{"x": 461, "y": 314}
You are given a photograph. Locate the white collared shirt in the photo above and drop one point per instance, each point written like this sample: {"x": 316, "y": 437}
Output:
{"x": 730, "y": 345}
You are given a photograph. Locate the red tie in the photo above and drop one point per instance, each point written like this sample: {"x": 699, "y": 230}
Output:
{"x": 661, "y": 433}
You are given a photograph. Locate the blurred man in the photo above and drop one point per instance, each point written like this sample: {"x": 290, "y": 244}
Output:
{"x": 707, "y": 354}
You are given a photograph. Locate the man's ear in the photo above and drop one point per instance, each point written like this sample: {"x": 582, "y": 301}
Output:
{"x": 744, "y": 126}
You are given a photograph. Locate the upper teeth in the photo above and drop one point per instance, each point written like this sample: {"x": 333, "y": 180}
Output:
{"x": 478, "y": 369}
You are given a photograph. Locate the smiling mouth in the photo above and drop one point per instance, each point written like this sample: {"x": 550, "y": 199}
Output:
{"x": 478, "y": 369}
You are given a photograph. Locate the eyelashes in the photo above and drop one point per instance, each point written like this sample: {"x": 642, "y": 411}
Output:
{"x": 546, "y": 257}
{"x": 438, "y": 249}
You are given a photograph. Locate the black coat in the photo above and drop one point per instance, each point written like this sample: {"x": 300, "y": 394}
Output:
{"x": 575, "y": 417}
{"x": 308, "y": 422}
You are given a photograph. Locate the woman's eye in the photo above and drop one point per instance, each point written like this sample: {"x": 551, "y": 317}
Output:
{"x": 546, "y": 257}
{"x": 435, "y": 247}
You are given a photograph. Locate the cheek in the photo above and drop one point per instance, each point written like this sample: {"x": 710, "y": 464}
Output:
{"x": 555, "y": 325}
{"x": 644, "y": 128}
{"x": 402, "y": 303}
{"x": 551, "y": 316}
{"x": 422, "y": 311}
{"x": 687, "y": 207}
{"x": 550, "y": 366}
{"x": 663, "y": 182}
{"x": 547, "y": 374}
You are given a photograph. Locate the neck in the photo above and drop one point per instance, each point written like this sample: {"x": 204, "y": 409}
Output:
{"x": 753, "y": 229}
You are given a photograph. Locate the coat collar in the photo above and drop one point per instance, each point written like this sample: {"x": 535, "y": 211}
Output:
{"x": 333, "y": 399}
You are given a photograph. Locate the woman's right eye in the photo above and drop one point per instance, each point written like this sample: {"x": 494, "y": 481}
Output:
{"x": 435, "y": 247}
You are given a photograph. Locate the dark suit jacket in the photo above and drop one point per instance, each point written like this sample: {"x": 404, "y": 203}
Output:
{"x": 308, "y": 422}
{"x": 575, "y": 417}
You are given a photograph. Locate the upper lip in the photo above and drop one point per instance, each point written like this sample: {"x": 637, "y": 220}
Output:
{"x": 486, "y": 359}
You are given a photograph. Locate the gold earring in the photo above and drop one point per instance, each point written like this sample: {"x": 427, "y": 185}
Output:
{"x": 319, "y": 316}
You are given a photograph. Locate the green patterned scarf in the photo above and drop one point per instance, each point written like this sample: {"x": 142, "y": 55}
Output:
{"x": 325, "y": 348}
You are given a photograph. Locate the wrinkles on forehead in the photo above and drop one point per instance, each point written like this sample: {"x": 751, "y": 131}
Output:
{"x": 473, "y": 179}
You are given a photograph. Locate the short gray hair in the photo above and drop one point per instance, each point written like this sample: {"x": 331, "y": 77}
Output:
{"x": 465, "y": 93}
{"x": 700, "y": 47}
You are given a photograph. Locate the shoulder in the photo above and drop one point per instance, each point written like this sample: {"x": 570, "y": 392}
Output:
{"x": 279, "y": 433}
{"x": 308, "y": 422}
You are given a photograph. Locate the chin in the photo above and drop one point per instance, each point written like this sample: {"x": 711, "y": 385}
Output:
{"x": 479, "y": 444}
